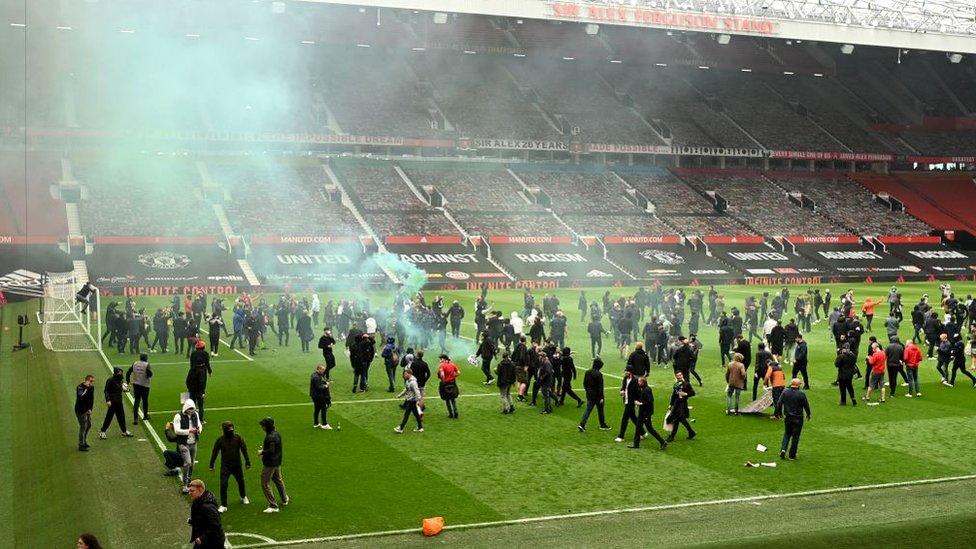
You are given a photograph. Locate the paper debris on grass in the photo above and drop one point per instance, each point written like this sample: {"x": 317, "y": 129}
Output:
{"x": 768, "y": 464}
{"x": 760, "y": 448}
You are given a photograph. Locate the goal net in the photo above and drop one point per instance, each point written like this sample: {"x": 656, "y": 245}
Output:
{"x": 64, "y": 327}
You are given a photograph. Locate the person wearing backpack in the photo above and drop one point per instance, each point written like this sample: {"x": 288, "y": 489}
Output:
{"x": 391, "y": 358}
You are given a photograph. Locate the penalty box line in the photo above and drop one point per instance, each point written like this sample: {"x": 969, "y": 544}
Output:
{"x": 606, "y": 512}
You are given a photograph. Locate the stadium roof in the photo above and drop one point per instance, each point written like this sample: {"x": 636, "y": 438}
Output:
{"x": 934, "y": 25}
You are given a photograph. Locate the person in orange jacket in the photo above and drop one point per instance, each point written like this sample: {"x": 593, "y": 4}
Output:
{"x": 868, "y": 309}
{"x": 775, "y": 378}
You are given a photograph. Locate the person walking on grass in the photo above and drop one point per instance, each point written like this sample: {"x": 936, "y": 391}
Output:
{"x": 140, "y": 386}
{"x": 114, "y": 387}
{"x": 187, "y": 426}
{"x": 326, "y": 343}
{"x": 912, "y": 358}
{"x": 776, "y": 379}
{"x": 678, "y": 411}
{"x": 206, "y": 531}
{"x": 878, "y": 363}
{"x": 735, "y": 379}
{"x": 645, "y": 425}
{"x": 846, "y": 364}
{"x": 959, "y": 361}
{"x": 486, "y": 352}
{"x": 505, "y": 372}
{"x": 84, "y": 403}
{"x": 271, "y": 457}
{"x": 230, "y": 446}
{"x": 413, "y": 403}
{"x": 318, "y": 390}
{"x": 593, "y": 387}
{"x": 448, "y": 373}
{"x": 629, "y": 391}
{"x": 800, "y": 361}
{"x": 792, "y": 405}
{"x": 568, "y": 375}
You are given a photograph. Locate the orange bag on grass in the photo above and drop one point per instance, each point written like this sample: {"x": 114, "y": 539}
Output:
{"x": 433, "y": 526}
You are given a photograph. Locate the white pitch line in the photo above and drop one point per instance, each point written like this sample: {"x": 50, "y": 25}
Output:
{"x": 187, "y": 362}
{"x": 229, "y": 347}
{"x": 651, "y": 508}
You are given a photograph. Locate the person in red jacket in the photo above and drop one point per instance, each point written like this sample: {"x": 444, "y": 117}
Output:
{"x": 912, "y": 358}
{"x": 448, "y": 373}
{"x": 878, "y": 361}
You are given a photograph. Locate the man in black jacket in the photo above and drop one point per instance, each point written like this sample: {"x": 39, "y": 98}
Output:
{"x": 161, "y": 327}
{"x": 421, "y": 371}
{"x": 644, "y": 424}
{"x": 596, "y": 331}
{"x": 630, "y": 393}
{"x": 326, "y": 342}
{"x": 793, "y": 403}
{"x": 84, "y": 402}
{"x": 593, "y": 387}
{"x": 763, "y": 358}
{"x": 743, "y": 348}
{"x": 639, "y": 360}
{"x": 678, "y": 410}
{"x": 505, "y": 372}
{"x": 800, "y": 361}
{"x": 567, "y": 376}
{"x": 114, "y": 387}
{"x": 318, "y": 390}
{"x": 455, "y": 314}
{"x": 196, "y": 385}
{"x": 206, "y": 532}
{"x": 179, "y": 333}
{"x": 682, "y": 357}
{"x": 230, "y": 446}
{"x": 271, "y": 456}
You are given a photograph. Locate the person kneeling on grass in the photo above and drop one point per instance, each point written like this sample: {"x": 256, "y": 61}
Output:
{"x": 230, "y": 446}
{"x": 413, "y": 403}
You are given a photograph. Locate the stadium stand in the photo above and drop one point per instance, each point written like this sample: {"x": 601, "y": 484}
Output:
{"x": 701, "y": 225}
{"x": 461, "y": 32}
{"x": 943, "y": 201}
{"x": 581, "y": 192}
{"x": 474, "y": 188}
{"x": 298, "y": 206}
{"x": 164, "y": 206}
{"x": 603, "y": 224}
{"x": 852, "y": 206}
{"x": 29, "y": 207}
{"x": 510, "y": 224}
{"x": 669, "y": 194}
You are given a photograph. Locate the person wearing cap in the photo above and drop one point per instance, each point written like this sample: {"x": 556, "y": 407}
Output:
{"x": 791, "y": 406}
{"x": 187, "y": 425}
{"x": 593, "y": 387}
{"x": 114, "y": 387}
{"x": 200, "y": 355}
{"x": 196, "y": 381}
{"x": 230, "y": 446}
{"x": 629, "y": 391}
{"x": 271, "y": 457}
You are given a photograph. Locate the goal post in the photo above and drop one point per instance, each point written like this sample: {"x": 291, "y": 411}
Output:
{"x": 64, "y": 327}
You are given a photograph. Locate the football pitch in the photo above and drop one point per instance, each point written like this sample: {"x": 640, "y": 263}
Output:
{"x": 862, "y": 477}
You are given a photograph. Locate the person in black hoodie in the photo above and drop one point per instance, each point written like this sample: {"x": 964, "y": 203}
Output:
{"x": 645, "y": 425}
{"x": 593, "y": 387}
{"x": 206, "y": 531}
{"x": 114, "y": 387}
{"x": 763, "y": 357}
{"x": 505, "y": 372}
{"x": 84, "y": 402}
{"x": 230, "y": 446}
{"x": 725, "y": 337}
{"x": 271, "y": 457}
{"x": 846, "y": 364}
{"x": 568, "y": 375}
{"x": 318, "y": 390}
{"x": 743, "y": 348}
{"x": 326, "y": 342}
{"x": 486, "y": 352}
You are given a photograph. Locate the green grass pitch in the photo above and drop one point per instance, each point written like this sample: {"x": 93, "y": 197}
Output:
{"x": 488, "y": 467}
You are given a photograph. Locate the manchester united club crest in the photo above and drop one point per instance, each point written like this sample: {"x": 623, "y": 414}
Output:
{"x": 166, "y": 261}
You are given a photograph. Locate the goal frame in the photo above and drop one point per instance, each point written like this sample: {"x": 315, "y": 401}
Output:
{"x": 64, "y": 328}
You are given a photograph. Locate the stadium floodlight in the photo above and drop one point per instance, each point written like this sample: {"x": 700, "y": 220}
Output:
{"x": 955, "y": 57}
{"x": 745, "y": 70}
{"x": 616, "y": 61}
{"x": 519, "y": 54}
{"x": 818, "y": 74}
{"x": 418, "y": 49}
{"x": 63, "y": 28}
{"x": 704, "y": 67}
{"x": 127, "y": 31}
{"x": 660, "y": 64}
{"x": 569, "y": 58}
{"x": 308, "y": 41}
{"x": 723, "y": 39}
{"x": 592, "y": 29}
{"x": 470, "y": 52}
{"x": 19, "y": 25}
{"x": 362, "y": 45}
{"x": 193, "y": 35}
{"x": 788, "y": 73}
{"x": 847, "y": 49}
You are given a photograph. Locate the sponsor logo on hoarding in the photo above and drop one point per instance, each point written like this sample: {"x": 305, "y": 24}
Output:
{"x": 438, "y": 258}
{"x": 113, "y": 279}
{"x": 457, "y": 275}
{"x": 551, "y": 258}
{"x": 757, "y": 256}
{"x": 596, "y": 273}
{"x": 228, "y": 278}
{"x": 786, "y": 270}
{"x": 849, "y": 255}
{"x": 663, "y": 257}
{"x": 709, "y": 271}
{"x": 21, "y": 278}
{"x": 761, "y": 271}
{"x": 938, "y": 254}
{"x": 313, "y": 259}
{"x": 166, "y": 261}
{"x": 911, "y": 268}
{"x": 551, "y": 274}
{"x": 170, "y": 278}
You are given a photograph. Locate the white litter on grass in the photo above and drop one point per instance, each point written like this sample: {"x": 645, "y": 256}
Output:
{"x": 755, "y": 503}
{"x": 760, "y": 448}
{"x": 143, "y": 440}
{"x": 768, "y": 464}
{"x": 874, "y": 404}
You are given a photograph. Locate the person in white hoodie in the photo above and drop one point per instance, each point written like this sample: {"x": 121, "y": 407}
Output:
{"x": 187, "y": 426}
{"x": 517, "y": 325}
{"x": 316, "y": 308}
